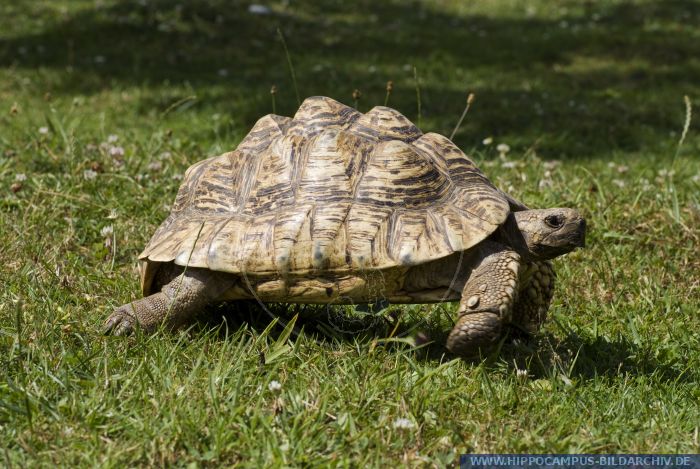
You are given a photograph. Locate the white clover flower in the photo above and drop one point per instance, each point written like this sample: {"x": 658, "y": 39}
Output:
{"x": 503, "y": 148}
{"x": 99, "y": 59}
{"x": 521, "y": 374}
{"x": 89, "y": 174}
{"x": 619, "y": 183}
{"x": 256, "y": 9}
{"x": 623, "y": 169}
{"x": 107, "y": 231}
{"x": 20, "y": 177}
{"x": 165, "y": 155}
{"x": 487, "y": 141}
{"x": 155, "y": 166}
{"x": 177, "y": 177}
{"x": 223, "y": 72}
{"x": 696, "y": 178}
{"x": 43, "y": 130}
{"x": 544, "y": 183}
{"x": 112, "y": 138}
{"x": 116, "y": 151}
{"x": 113, "y": 215}
{"x": 274, "y": 386}
{"x": 403, "y": 424}
{"x": 509, "y": 164}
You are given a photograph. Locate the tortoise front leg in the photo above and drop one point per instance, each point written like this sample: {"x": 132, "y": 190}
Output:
{"x": 536, "y": 291}
{"x": 176, "y": 304}
{"x": 487, "y": 301}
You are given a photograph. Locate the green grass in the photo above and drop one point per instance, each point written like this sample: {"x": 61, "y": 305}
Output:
{"x": 589, "y": 96}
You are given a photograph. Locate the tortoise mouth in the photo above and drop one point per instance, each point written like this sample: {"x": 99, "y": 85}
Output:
{"x": 574, "y": 234}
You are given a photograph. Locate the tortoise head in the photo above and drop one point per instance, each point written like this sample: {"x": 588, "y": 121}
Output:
{"x": 547, "y": 233}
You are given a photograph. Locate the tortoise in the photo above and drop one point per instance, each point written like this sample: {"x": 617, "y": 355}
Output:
{"x": 334, "y": 206}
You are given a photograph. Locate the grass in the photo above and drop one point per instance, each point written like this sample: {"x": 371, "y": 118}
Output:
{"x": 589, "y": 97}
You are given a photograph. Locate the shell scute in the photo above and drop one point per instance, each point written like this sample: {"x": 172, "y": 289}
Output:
{"x": 384, "y": 123}
{"x": 330, "y": 190}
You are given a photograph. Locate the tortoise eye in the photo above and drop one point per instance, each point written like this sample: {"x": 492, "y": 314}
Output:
{"x": 554, "y": 221}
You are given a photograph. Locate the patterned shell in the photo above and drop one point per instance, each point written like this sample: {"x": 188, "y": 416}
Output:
{"x": 330, "y": 190}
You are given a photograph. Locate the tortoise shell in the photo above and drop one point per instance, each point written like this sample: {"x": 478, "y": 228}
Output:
{"x": 330, "y": 190}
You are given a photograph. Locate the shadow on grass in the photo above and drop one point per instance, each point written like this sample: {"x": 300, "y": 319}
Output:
{"x": 579, "y": 79}
{"x": 328, "y": 325}
{"x": 591, "y": 358}
{"x": 574, "y": 356}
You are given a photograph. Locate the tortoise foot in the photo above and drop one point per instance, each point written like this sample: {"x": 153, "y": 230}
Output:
{"x": 475, "y": 333}
{"x": 120, "y": 322}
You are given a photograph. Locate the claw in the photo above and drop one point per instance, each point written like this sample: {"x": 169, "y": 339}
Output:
{"x": 124, "y": 328}
{"x": 109, "y": 325}
{"x": 119, "y": 322}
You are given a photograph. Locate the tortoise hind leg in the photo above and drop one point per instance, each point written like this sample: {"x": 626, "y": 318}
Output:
{"x": 487, "y": 301}
{"x": 176, "y": 304}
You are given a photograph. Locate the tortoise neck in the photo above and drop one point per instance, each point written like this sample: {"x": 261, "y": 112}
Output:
{"x": 510, "y": 234}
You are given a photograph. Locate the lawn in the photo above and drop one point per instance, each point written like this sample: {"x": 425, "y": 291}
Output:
{"x": 105, "y": 103}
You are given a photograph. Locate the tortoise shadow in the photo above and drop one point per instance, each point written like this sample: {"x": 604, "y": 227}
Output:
{"x": 329, "y": 325}
{"x": 577, "y": 357}
{"x": 587, "y": 359}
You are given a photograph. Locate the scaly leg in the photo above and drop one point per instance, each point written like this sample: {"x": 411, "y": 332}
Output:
{"x": 487, "y": 301}
{"x": 176, "y": 304}
{"x": 536, "y": 291}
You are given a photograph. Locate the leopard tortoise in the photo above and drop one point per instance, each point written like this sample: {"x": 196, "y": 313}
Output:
{"x": 336, "y": 206}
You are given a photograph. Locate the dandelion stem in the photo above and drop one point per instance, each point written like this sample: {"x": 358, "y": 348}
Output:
{"x": 671, "y": 187}
{"x": 415, "y": 77}
{"x": 291, "y": 66}
{"x": 356, "y": 95}
{"x": 389, "y": 89}
{"x": 273, "y": 93}
{"x": 470, "y": 100}
{"x": 686, "y": 126}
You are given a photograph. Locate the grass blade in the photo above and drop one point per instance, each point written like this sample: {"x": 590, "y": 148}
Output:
{"x": 291, "y": 66}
